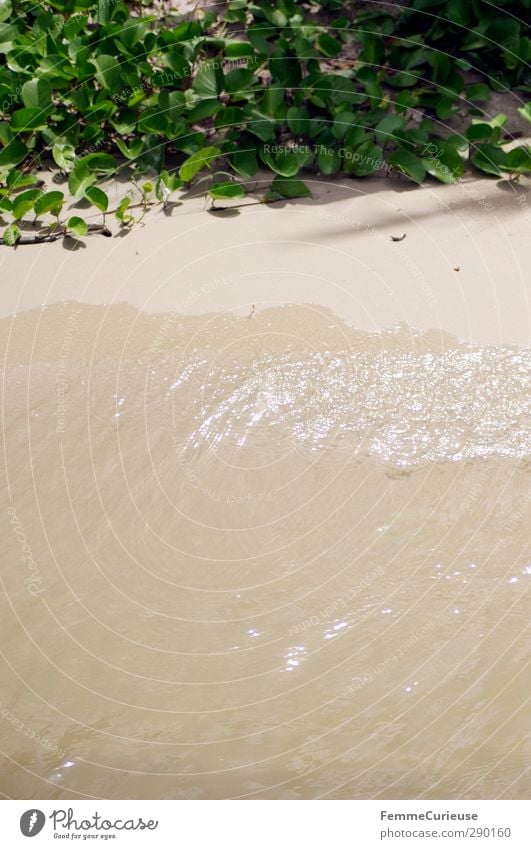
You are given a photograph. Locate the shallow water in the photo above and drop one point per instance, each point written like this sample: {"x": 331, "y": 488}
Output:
{"x": 269, "y": 557}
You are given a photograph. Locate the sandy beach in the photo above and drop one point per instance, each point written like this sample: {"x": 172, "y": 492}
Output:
{"x": 267, "y": 499}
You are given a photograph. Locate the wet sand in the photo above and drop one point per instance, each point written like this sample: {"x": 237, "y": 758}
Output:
{"x": 265, "y": 557}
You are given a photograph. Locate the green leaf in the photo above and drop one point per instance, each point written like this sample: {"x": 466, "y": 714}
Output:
{"x": 152, "y": 156}
{"x": 18, "y": 180}
{"x": 132, "y": 151}
{"x": 270, "y": 196}
{"x": 105, "y": 10}
{"x": 288, "y": 161}
{"x": 519, "y": 160}
{"x": 165, "y": 185}
{"x": 404, "y": 79}
{"x": 328, "y": 160}
{"x": 286, "y": 70}
{"x": 446, "y": 165}
{"x": 260, "y": 125}
{"x": 238, "y": 49}
{"x": 384, "y": 130}
{"x": 405, "y": 100}
{"x": 258, "y": 35}
{"x": 101, "y": 111}
{"x": 103, "y": 163}
{"x": 28, "y": 119}
{"x": 204, "y": 109}
{"x": 291, "y": 188}
{"x": 490, "y": 159}
{"x": 107, "y": 71}
{"x": 153, "y": 121}
{"x": 446, "y": 107}
{"x": 365, "y": 160}
{"x": 297, "y": 118}
{"x": 223, "y": 191}
{"x": 77, "y": 225}
{"x": 356, "y": 136}
{"x": 98, "y": 198}
{"x": 196, "y": 162}
{"x": 24, "y": 202}
{"x": 342, "y": 90}
{"x": 456, "y": 142}
{"x": 499, "y": 120}
{"x": 121, "y": 212}
{"x": 64, "y": 155}
{"x": 272, "y": 102}
{"x": 478, "y": 92}
{"x": 239, "y": 80}
{"x": 275, "y": 16}
{"x": 208, "y": 81}
{"x": 74, "y": 26}
{"x": 344, "y": 120}
{"x": 245, "y": 163}
{"x": 11, "y": 235}
{"x": 409, "y": 164}
{"x": 525, "y": 111}
{"x": 479, "y": 132}
{"x": 328, "y": 45}
{"x": 231, "y": 116}
{"x": 125, "y": 121}
{"x": 37, "y": 94}
{"x": 50, "y": 202}
{"x": 458, "y": 11}
{"x": 494, "y": 132}
{"x": 5, "y": 133}
{"x": 6, "y": 10}
{"x": 180, "y": 66}
{"x": 80, "y": 179}
{"x": 172, "y": 103}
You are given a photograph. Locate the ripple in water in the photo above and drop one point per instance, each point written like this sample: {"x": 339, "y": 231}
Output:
{"x": 270, "y": 558}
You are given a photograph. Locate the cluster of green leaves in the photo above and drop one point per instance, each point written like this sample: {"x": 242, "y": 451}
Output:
{"x": 88, "y": 88}
{"x": 493, "y": 37}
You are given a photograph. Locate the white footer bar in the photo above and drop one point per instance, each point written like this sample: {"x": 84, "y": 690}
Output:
{"x": 267, "y": 824}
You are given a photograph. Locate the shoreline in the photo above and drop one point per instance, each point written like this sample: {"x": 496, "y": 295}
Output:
{"x": 462, "y": 267}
